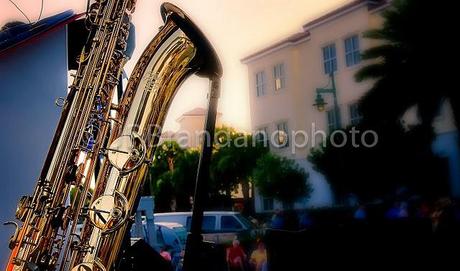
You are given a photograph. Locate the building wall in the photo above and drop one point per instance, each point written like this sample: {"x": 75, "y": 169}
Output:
{"x": 304, "y": 73}
{"x": 274, "y": 106}
{"x": 348, "y": 91}
{"x": 190, "y": 130}
{"x": 191, "y": 127}
{"x": 32, "y": 77}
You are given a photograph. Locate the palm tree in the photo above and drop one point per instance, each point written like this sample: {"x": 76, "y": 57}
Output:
{"x": 411, "y": 66}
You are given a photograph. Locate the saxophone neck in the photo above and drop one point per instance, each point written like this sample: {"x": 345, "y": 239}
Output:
{"x": 206, "y": 58}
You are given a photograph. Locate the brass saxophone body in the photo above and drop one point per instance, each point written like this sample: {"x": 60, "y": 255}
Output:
{"x": 178, "y": 51}
{"x": 106, "y": 195}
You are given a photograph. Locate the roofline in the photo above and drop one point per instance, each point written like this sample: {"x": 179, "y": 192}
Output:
{"x": 372, "y": 5}
{"x": 169, "y": 224}
{"x": 181, "y": 117}
{"x": 343, "y": 10}
{"x": 39, "y": 34}
{"x": 277, "y": 46}
{"x": 347, "y": 8}
{"x": 380, "y": 7}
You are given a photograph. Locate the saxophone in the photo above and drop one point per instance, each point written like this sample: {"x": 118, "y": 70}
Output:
{"x": 101, "y": 151}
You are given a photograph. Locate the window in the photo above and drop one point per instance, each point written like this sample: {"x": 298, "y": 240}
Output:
{"x": 260, "y": 83}
{"x": 246, "y": 222}
{"x": 329, "y": 59}
{"x": 355, "y": 115}
{"x": 267, "y": 204}
{"x": 352, "y": 54}
{"x": 331, "y": 120}
{"x": 228, "y": 222}
{"x": 209, "y": 224}
{"x": 262, "y": 136}
{"x": 282, "y": 135}
{"x": 278, "y": 74}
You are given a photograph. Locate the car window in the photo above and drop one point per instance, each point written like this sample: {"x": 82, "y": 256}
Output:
{"x": 247, "y": 223}
{"x": 228, "y": 222}
{"x": 209, "y": 224}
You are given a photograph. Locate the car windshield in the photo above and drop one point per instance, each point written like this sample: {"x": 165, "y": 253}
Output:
{"x": 247, "y": 223}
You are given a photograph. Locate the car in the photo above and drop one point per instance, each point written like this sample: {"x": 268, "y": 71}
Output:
{"x": 220, "y": 227}
{"x": 168, "y": 236}
{"x": 172, "y": 237}
{"x": 179, "y": 230}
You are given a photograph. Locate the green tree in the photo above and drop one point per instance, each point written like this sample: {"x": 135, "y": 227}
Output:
{"x": 163, "y": 161}
{"x": 184, "y": 178}
{"x": 281, "y": 179}
{"x": 173, "y": 173}
{"x": 161, "y": 181}
{"x": 163, "y": 190}
{"x": 407, "y": 69}
{"x": 400, "y": 159}
{"x": 167, "y": 153}
{"x": 234, "y": 158}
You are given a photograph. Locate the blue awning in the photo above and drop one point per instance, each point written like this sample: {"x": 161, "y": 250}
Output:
{"x": 22, "y": 32}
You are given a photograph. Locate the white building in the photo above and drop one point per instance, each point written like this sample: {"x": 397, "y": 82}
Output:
{"x": 191, "y": 125}
{"x": 283, "y": 79}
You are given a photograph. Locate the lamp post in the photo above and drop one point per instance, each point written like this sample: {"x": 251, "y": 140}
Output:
{"x": 320, "y": 104}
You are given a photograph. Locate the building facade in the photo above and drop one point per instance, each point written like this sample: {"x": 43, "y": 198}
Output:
{"x": 283, "y": 79}
{"x": 191, "y": 125}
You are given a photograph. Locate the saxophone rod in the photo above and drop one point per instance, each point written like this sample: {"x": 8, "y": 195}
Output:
{"x": 195, "y": 238}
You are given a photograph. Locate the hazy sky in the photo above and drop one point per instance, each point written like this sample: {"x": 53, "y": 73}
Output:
{"x": 236, "y": 28}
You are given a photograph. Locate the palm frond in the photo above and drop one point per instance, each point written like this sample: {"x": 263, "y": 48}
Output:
{"x": 376, "y": 34}
{"x": 372, "y": 71}
{"x": 381, "y": 51}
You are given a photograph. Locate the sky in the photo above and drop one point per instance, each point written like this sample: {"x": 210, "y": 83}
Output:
{"x": 236, "y": 28}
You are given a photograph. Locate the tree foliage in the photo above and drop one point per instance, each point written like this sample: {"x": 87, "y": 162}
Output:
{"x": 400, "y": 159}
{"x": 407, "y": 69}
{"x": 235, "y": 156}
{"x": 173, "y": 171}
{"x": 407, "y": 72}
{"x": 281, "y": 179}
{"x": 172, "y": 176}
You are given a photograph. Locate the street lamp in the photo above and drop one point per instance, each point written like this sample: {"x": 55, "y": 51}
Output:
{"x": 320, "y": 104}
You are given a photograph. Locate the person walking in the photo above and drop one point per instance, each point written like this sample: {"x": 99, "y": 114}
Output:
{"x": 236, "y": 257}
{"x": 259, "y": 257}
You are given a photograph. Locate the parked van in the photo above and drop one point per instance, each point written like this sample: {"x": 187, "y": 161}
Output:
{"x": 219, "y": 226}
